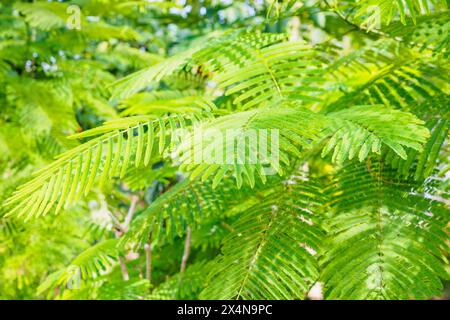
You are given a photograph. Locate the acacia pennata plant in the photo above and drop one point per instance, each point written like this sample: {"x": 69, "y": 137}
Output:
{"x": 224, "y": 149}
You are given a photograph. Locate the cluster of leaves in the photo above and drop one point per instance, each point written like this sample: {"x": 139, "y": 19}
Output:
{"x": 353, "y": 94}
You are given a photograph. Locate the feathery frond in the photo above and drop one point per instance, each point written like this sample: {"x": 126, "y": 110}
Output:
{"x": 385, "y": 238}
{"x": 384, "y": 11}
{"x": 123, "y": 142}
{"x": 358, "y": 130}
{"x": 89, "y": 264}
{"x": 270, "y": 253}
{"x": 272, "y": 133}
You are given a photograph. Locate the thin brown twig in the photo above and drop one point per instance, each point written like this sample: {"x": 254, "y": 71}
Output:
{"x": 131, "y": 210}
{"x": 187, "y": 249}
{"x": 121, "y": 229}
{"x": 123, "y": 269}
{"x": 148, "y": 261}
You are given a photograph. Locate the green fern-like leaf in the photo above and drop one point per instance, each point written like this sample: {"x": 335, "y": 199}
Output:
{"x": 289, "y": 129}
{"x": 270, "y": 253}
{"x": 183, "y": 285}
{"x": 421, "y": 165}
{"x": 384, "y": 11}
{"x": 188, "y": 203}
{"x": 386, "y": 85}
{"x": 429, "y": 32}
{"x": 90, "y": 264}
{"x": 233, "y": 48}
{"x": 123, "y": 142}
{"x": 356, "y": 131}
{"x": 275, "y": 72}
{"x": 387, "y": 241}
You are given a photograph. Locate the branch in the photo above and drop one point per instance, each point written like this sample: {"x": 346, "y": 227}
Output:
{"x": 187, "y": 249}
{"x": 355, "y": 26}
{"x": 121, "y": 229}
{"x": 129, "y": 216}
{"x": 115, "y": 221}
{"x": 148, "y": 261}
{"x": 123, "y": 268}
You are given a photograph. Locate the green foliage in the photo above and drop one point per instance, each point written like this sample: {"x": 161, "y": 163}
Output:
{"x": 89, "y": 264}
{"x": 270, "y": 252}
{"x": 183, "y": 285}
{"x": 72, "y": 175}
{"x": 359, "y": 130}
{"x": 203, "y": 150}
{"x": 384, "y": 236}
{"x": 372, "y": 12}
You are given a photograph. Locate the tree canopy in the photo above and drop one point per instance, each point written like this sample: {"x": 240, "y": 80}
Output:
{"x": 206, "y": 149}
